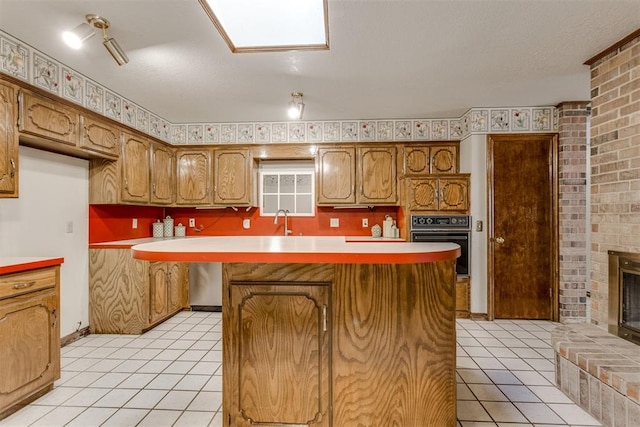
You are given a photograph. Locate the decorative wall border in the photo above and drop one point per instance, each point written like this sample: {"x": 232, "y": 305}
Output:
{"x": 28, "y": 64}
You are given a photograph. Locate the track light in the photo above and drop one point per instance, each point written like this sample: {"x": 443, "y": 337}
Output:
{"x": 76, "y": 37}
{"x": 296, "y": 106}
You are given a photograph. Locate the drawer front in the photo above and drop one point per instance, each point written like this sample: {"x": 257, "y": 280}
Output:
{"x": 21, "y": 283}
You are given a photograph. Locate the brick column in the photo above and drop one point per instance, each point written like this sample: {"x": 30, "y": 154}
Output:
{"x": 572, "y": 206}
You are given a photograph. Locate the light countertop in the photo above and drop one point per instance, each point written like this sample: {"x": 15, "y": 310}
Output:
{"x": 293, "y": 249}
{"x": 19, "y": 264}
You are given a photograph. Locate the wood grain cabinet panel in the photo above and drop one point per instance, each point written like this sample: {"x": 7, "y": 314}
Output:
{"x": 43, "y": 117}
{"x": 444, "y": 193}
{"x": 8, "y": 142}
{"x": 162, "y": 174}
{"x": 29, "y": 336}
{"x": 431, "y": 159}
{"x": 233, "y": 173}
{"x": 377, "y": 175}
{"x": 193, "y": 177}
{"x": 135, "y": 169}
{"x": 336, "y": 176}
{"x": 129, "y": 296}
{"x": 100, "y": 137}
{"x": 282, "y": 358}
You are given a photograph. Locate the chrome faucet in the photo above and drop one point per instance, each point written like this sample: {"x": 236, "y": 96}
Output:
{"x": 286, "y": 220}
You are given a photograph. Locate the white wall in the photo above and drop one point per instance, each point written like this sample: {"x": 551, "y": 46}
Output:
{"x": 473, "y": 160}
{"x": 54, "y": 192}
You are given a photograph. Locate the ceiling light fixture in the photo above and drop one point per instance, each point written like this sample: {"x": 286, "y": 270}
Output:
{"x": 83, "y": 32}
{"x": 296, "y": 106}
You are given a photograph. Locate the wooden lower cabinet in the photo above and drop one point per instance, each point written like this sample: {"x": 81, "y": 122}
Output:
{"x": 339, "y": 345}
{"x": 129, "y": 296}
{"x": 29, "y": 336}
{"x": 463, "y": 298}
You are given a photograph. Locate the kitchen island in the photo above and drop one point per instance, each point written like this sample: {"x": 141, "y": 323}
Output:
{"x": 321, "y": 331}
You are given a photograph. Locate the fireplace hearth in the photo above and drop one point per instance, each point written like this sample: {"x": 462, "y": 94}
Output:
{"x": 624, "y": 295}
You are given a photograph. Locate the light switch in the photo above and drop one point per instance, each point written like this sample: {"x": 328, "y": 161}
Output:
{"x": 134, "y": 223}
{"x": 478, "y": 225}
{"x": 334, "y": 222}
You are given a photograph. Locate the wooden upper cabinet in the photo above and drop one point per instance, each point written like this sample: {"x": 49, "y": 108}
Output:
{"x": 445, "y": 193}
{"x": 336, "y": 176}
{"x": 43, "y": 117}
{"x": 232, "y": 179}
{"x": 8, "y": 142}
{"x": 100, "y": 137}
{"x": 162, "y": 174}
{"x": 444, "y": 159}
{"x": 193, "y": 177}
{"x": 377, "y": 175}
{"x": 135, "y": 168}
{"x": 429, "y": 159}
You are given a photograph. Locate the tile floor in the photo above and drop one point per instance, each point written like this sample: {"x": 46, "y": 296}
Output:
{"x": 172, "y": 376}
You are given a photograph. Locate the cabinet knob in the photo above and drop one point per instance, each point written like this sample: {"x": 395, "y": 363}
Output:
{"x": 13, "y": 168}
{"x": 499, "y": 240}
{"x": 24, "y": 285}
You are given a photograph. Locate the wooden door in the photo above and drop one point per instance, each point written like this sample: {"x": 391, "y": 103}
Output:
{"x": 280, "y": 365}
{"x": 377, "y": 175}
{"x": 162, "y": 174}
{"x": 100, "y": 137}
{"x": 416, "y": 160}
{"x": 453, "y": 193}
{"x": 193, "y": 177}
{"x": 422, "y": 194}
{"x": 8, "y": 142}
{"x": 43, "y": 117}
{"x": 176, "y": 285}
{"x": 523, "y": 248}
{"x": 158, "y": 291}
{"x": 30, "y": 350}
{"x": 444, "y": 159}
{"x": 135, "y": 169}
{"x": 232, "y": 177}
{"x": 336, "y": 176}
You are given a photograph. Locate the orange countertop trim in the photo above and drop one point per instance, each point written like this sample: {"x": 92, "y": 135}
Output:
{"x": 18, "y": 265}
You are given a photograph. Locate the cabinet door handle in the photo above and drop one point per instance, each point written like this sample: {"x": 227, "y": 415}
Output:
{"x": 324, "y": 318}
{"x": 154, "y": 188}
{"x": 24, "y": 285}
{"x": 13, "y": 168}
{"x": 54, "y": 313}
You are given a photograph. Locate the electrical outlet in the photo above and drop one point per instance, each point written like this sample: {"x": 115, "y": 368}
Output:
{"x": 134, "y": 223}
{"x": 334, "y": 222}
{"x": 246, "y": 223}
{"x": 365, "y": 222}
{"x": 192, "y": 222}
{"x": 69, "y": 226}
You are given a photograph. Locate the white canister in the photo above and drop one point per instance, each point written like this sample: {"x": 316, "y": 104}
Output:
{"x": 386, "y": 226}
{"x": 158, "y": 229}
{"x": 181, "y": 230}
{"x": 168, "y": 226}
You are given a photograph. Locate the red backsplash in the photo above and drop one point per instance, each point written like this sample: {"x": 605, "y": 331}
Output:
{"x": 113, "y": 222}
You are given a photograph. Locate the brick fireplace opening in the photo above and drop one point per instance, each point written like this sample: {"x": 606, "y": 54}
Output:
{"x": 624, "y": 295}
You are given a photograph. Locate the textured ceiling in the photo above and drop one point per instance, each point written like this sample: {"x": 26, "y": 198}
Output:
{"x": 387, "y": 58}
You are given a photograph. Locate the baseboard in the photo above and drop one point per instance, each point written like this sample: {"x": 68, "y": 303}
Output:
{"x": 213, "y": 308}
{"x": 68, "y": 339}
{"x": 479, "y": 316}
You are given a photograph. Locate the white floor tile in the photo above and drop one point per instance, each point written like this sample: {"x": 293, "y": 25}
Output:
{"x": 83, "y": 379}
{"x": 58, "y": 395}
{"x": 159, "y": 418}
{"x": 59, "y": 416}
{"x": 214, "y": 384}
{"x": 550, "y": 394}
{"x": 217, "y": 420}
{"x": 206, "y": 401}
{"x": 110, "y": 380}
{"x": 488, "y": 363}
{"x": 146, "y": 353}
{"x": 192, "y": 382}
{"x": 116, "y": 398}
{"x": 146, "y": 399}
{"x": 205, "y": 368}
{"x": 538, "y": 413}
{"x": 504, "y": 412}
{"x": 177, "y": 399}
{"x": 471, "y": 410}
{"x": 179, "y": 367}
{"x": 87, "y": 397}
{"x": 165, "y": 381}
{"x": 488, "y": 392}
{"x": 154, "y": 366}
{"x": 126, "y": 417}
{"x": 26, "y": 416}
{"x": 573, "y": 414}
{"x": 531, "y": 378}
{"x": 518, "y": 393}
{"x": 463, "y": 392}
{"x": 194, "y": 418}
{"x": 92, "y": 417}
{"x": 502, "y": 376}
{"x": 137, "y": 381}
{"x": 129, "y": 366}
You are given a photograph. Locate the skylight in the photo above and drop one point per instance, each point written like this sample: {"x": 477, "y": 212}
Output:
{"x": 270, "y": 25}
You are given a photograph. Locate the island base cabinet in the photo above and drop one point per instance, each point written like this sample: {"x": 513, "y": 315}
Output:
{"x": 393, "y": 356}
{"x": 387, "y": 358}
{"x": 29, "y": 337}
{"x": 280, "y": 356}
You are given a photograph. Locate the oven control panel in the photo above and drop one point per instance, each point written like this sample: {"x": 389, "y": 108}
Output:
{"x": 440, "y": 222}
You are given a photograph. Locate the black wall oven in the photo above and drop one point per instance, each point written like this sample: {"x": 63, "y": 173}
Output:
{"x": 447, "y": 229}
